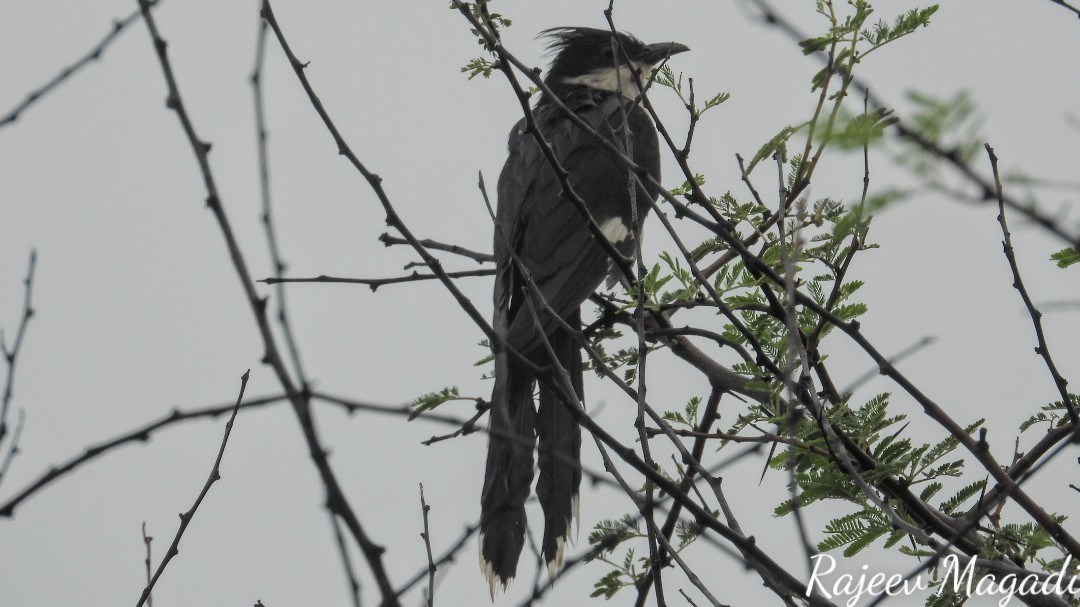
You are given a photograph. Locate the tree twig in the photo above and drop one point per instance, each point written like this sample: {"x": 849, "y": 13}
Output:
{"x": 426, "y": 536}
{"x": 186, "y": 517}
{"x": 468, "y": 427}
{"x": 13, "y": 450}
{"x": 336, "y": 501}
{"x": 140, "y": 434}
{"x": 1043, "y": 349}
{"x": 389, "y": 240}
{"x": 277, "y": 262}
{"x": 375, "y": 283}
{"x": 149, "y": 571}
{"x": 1067, "y": 6}
{"x": 93, "y": 54}
{"x": 11, "y": 356}
{"x": 346, "y": 561}
{"x": 447, "y": 557}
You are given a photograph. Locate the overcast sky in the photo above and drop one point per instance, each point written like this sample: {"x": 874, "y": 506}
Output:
{"x": 139, "y": 311}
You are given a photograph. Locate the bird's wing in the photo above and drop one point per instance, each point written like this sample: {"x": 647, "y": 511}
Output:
{"x": 514, "y": 190}
{"x": 550, "y": 235}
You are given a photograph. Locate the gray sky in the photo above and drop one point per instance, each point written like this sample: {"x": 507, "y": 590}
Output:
{"x": 138, "y": 309}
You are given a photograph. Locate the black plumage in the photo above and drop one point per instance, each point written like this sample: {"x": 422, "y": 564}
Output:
{"x": 539, "y": 225}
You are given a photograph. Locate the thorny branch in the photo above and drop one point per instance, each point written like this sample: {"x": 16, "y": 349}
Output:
{"x": 389, "y": 240}
{"x": 149, "y": 568}
{"x": 186, "y": 517}
{"x": 11, "y": 355}
{"x": 375, "y": 283}
{"x": 277, "y": 262}
{"x": 346, "y": 560}
{"x": 141, "y": 434}
{"x": 336, "y": 501}
{"x": 119, "y": 25}
{"x": 1043, "y": 349}
{"x": 13, "y": 449}
{"x": 426, "y": 536}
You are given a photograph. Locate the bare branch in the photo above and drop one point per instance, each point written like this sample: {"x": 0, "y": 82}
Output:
{"x": 11, "y": 356}
{"x": 149, "y": 571}
{"x": 336, "y": 501}
{"x": 141, "y": 434}
{"x": 708, "y": 418}
{"x": 426, "y": 536}
{"x": 93, "y": 54}
{"x": 277, "y": 262}
{"x": 466, "y": 428}
{"x": 766, "y": 438}
{"x": 447, "y": 557}
{"x": 346, "y": 561}
{"x": 389, "y": 240}
{"x": 13, "y": 450}
{"x": 1067, "y": 6}
{"x": 185, "y": 517}
{"x": 375, "y": 283}
{"x": 1043, "y": 349}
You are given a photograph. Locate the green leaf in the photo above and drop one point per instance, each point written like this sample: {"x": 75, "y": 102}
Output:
{"x": 608, "y": 585}
{"x": 1066, "y": 257}
{"x": 815, "y": 45}
{"x": 479, "y": 66}
{"x": 686, "y": 188}
{"x": 429, "y": 401}
{"x": 930, "y": 491}
{"x": 881, "y": 33}
{"x": 608, "y": 534}
{"x": 687, "y": 532}
{"x": 952, "y": 505}
{"x": 935, "y": 118}
{"x": 862, "y": 130}
{"x": 773, "y": 144}
{"x": 864, "y": 541}
{"x": 714, "y": 101}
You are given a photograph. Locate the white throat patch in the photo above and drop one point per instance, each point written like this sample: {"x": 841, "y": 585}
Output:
{"x": 608, "y": 79}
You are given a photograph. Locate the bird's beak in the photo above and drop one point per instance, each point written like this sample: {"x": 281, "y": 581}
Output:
{"x": 655, "y": 53}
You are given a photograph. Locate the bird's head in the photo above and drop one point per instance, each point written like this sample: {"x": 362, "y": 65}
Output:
{"x": 587, "y": 57}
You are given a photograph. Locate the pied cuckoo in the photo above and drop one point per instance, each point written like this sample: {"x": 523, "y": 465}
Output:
{"x": 541, "y": 230}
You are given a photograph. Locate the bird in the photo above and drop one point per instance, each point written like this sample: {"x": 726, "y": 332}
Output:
{"x": 542, "y": 237}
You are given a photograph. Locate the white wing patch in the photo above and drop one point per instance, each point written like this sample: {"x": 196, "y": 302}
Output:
{"x": 614, "y": 229}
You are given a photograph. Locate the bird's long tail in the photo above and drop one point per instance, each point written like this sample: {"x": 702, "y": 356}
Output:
{"x": 560, "y": 449}
{"x": 508, "y": 479}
